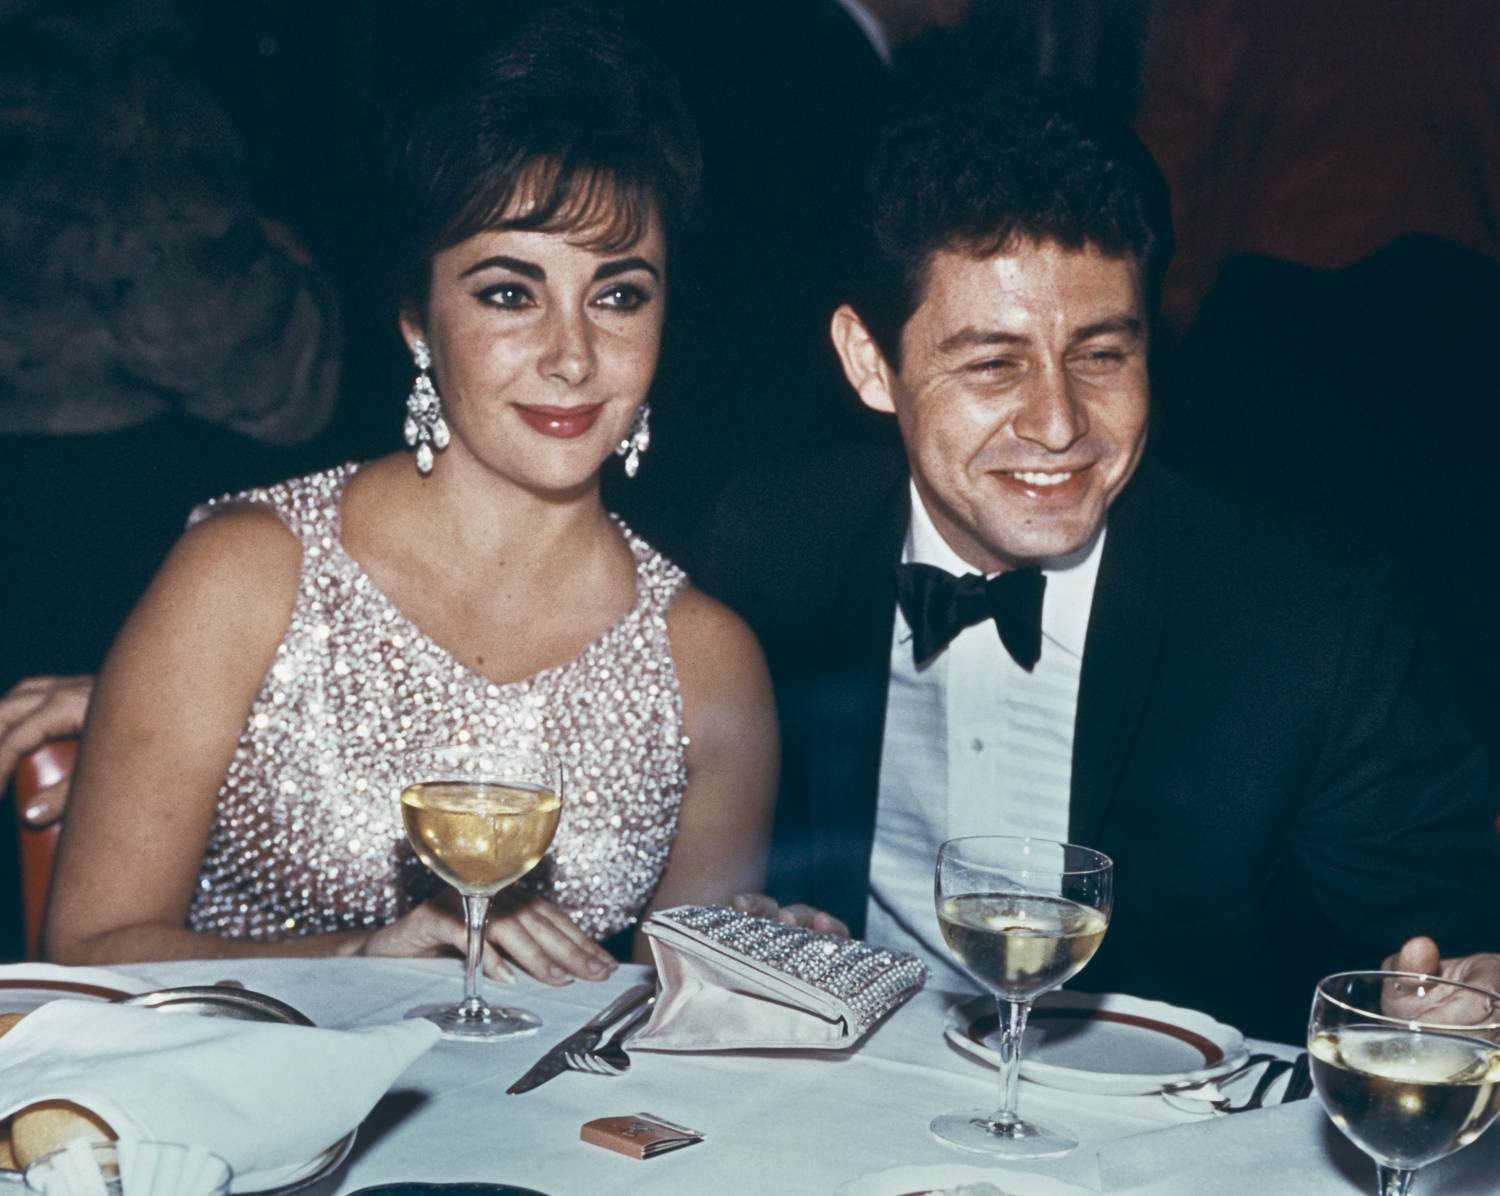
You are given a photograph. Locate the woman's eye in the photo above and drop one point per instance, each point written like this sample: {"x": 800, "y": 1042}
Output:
{"x": 623, "y": 297}
{"x": 507, "y": 294}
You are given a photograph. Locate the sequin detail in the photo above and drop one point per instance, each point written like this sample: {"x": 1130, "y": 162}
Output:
{"x": 867, "y": 982}
{"x": 308, "y": 838}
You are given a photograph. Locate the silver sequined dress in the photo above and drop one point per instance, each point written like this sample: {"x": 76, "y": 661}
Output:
{"x": 308, "y": 834}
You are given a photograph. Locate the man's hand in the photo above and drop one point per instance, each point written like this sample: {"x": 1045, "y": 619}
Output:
{"x": 1454, "y": 1006}
{"x": 791, "y": 915}
{"x": 34, "y": 711}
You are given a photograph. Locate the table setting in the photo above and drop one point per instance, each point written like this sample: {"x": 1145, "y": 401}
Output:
{"x": 751, "y": 1057}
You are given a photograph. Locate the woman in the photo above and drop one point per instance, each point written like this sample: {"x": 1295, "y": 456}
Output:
{"x": 234, "y": 792}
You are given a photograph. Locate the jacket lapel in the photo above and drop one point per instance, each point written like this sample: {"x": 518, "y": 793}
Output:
{"x": 852, "y": 698}
{"x": 1120, "y": 651}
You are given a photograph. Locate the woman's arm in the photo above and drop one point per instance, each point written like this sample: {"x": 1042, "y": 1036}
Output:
{"x": 165, "y": 717}
{"x": 729, "y": 715}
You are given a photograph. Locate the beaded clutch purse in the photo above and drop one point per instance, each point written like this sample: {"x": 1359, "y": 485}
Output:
{"x": 731, "y": 981}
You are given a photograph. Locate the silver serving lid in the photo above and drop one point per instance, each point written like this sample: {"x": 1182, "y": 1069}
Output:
{"x": 219, "y": 1000}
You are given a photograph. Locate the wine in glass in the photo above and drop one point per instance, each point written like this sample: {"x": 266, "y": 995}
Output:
{"x": 1023, "y": 916}
{"x": 480, "y": 818}
{"x": 1407, "y": 1066}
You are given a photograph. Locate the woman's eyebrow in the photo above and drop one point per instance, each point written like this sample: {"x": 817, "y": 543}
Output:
{"x": 624, "y": 265}
{"x": 519, "y": 265}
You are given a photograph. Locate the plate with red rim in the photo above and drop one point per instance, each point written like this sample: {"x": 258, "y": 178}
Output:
{"x": 1105, "y": 1042}
{"x": 933, "y": 1179}
{"x": 27, "y": 986}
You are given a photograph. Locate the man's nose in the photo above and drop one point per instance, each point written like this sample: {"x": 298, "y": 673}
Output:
{"x": 1051, "y": 414}
{"x": 569, "y": 357}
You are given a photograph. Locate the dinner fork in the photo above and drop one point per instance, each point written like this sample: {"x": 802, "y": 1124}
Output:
{"x": 609, "y": 1057}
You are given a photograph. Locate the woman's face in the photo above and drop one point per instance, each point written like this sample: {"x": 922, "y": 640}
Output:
{"x": 543, "y": 349}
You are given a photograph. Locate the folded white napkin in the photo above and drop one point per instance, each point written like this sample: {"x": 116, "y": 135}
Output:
{"x": 258, "y": 1094}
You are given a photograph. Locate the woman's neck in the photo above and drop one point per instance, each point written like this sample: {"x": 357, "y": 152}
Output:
{"x": 462, "y": 513}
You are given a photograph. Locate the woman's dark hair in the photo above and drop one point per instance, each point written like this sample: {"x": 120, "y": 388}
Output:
{"x": 979, "y": 179}
{"x": 560, "y": 110}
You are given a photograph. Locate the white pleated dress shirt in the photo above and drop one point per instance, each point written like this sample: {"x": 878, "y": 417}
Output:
{"x": 973, "y": 745}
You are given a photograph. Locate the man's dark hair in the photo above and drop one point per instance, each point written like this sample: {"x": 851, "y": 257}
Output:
{"x": 980, "y": 179}
{"x": 560, "y": 107}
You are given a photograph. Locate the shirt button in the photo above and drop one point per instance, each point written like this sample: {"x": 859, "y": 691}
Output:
{"x": 977, "y": 745}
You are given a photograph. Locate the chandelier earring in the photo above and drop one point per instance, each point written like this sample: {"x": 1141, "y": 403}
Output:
{"x": 425, "y": 429}
{"x": 636, "y": 441}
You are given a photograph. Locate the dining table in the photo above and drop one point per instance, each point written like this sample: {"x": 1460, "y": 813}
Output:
{"x": 811, "y": 1121}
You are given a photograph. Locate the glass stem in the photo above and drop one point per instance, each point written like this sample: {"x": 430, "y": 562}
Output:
{"x": 1012, "y": 1026}
{"x": 1394, "y": 1181}
{"x": 476, "y": 913}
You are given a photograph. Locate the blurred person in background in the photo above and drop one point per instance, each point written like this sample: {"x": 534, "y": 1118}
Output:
{"x": 159, "y": 338}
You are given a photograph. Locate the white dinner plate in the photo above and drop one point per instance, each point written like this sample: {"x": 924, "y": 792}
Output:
{"x": 26, "y": 986}
{"x": 1105, "y": 1042}
{"x": 921, "y": 1179}
{"x": 282, "y": 1181}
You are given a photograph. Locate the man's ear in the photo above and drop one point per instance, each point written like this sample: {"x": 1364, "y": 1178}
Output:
{"x": 864, "y": 364}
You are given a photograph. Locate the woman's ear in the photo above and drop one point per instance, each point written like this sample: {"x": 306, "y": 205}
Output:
{"x": 864, "y": 364}
{"x": 411, "y": 330}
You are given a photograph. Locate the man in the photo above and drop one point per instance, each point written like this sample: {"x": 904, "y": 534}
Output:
{"x": 1249, "y": 719}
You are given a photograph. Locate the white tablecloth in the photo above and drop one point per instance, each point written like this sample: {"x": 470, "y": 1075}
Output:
{"x": 775, "y": 1123}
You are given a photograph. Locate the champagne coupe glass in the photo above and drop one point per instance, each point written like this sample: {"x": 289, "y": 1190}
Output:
{"x": 1407, "y": 1066}
{"x": 480, "y": 818}
{"x": 1022, "y": 915}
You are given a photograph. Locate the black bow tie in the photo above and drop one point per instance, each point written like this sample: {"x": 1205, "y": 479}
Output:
{"x": 938, "y": 606}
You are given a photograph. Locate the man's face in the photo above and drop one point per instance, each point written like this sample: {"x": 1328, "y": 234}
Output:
{"x": 1022, "y": 398}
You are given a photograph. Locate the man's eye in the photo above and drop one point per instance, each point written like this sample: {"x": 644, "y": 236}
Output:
{"x": 995, "y": 367}
{"x": 1099, "y": 360}
{"x": 507, "y": 294}
{"x": 623, "y": 297}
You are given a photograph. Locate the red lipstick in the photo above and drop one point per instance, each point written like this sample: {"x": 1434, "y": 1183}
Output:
{"x": 562, "y": 422}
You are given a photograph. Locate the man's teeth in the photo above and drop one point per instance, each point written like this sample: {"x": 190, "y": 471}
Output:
{"x": 1041, "y": 479}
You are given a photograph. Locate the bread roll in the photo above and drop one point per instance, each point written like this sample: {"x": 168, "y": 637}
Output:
{"x": 7, "y": 1156}
{"x": 42, "y": 1128}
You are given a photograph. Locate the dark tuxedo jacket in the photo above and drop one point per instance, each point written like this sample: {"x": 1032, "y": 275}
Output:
{"x": 1268, "y": 743}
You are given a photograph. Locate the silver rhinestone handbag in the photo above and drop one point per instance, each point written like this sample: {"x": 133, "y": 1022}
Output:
{"x": 731, "y": 981}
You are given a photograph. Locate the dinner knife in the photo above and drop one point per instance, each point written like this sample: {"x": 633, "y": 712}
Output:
{"x": 586, "y": 1037}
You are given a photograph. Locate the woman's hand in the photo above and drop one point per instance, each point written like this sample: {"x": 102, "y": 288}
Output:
{"x": 528, "y": 931}
{"x": 801, "y": 915}
{"x": 32, "y": 712}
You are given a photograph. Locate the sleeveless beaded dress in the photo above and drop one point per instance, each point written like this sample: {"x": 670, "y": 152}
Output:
{"x": 308, "y": 835}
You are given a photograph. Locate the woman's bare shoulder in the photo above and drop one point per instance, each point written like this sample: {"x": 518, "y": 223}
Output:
{"x": 238, "y": 539}
{"x": 720, "y": 666}
{"x": 704, "y": 629}
{"x": 242, "y": 562}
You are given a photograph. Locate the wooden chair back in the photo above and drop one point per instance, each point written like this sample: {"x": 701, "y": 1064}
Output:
{"x": 49, "y": 764}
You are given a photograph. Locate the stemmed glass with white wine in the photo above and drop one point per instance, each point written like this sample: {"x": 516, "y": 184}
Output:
{"x": 1023, "y": 916}
{"x": 1407, "y": 1066}
{"x": 481, "y": 818}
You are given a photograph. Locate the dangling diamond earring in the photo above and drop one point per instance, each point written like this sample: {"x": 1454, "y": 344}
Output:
{"x": 636, "y": 441}
{"x": 425, "y": 428}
